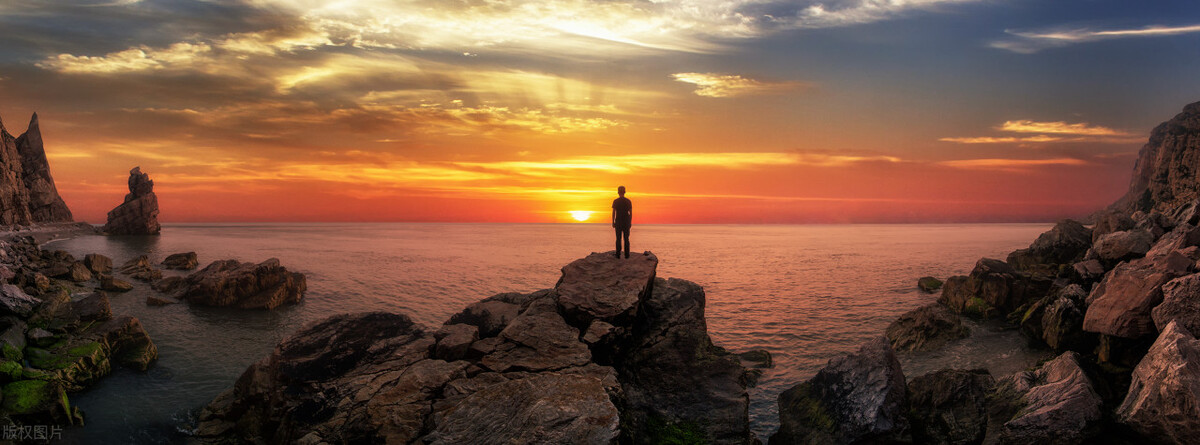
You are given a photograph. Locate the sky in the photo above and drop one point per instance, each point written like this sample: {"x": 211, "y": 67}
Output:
{"x": 729, "y": 111}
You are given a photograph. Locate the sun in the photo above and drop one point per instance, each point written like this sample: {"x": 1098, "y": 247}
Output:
{"x": 581, "y": 215}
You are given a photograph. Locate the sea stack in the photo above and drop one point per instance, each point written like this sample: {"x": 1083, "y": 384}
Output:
{"x": 138, "y": 215}
{"x": 27, "y": 191}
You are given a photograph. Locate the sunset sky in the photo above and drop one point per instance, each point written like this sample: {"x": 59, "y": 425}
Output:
{"x": 732, "y": 111}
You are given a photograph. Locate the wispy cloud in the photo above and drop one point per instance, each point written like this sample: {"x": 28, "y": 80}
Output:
{"x": 1012, "y": 165}
{"x": 1058, "y": 127}
{"x": 1028, "y": 42}
{"x": 1057, "y": 131}
{"x": 732, "y": 85}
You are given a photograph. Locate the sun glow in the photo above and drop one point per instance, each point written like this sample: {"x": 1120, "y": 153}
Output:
{"x": 581, "y": 215}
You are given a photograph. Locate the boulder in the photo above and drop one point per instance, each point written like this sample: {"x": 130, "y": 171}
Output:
{"x": 674, "y": 378}
{"x": 490, "y": 315}
{"x": 167, "y": 284}
{"x": 1088, "y": 271}
{"x": 181, "y": 261}
{"x": 14, "y": 301}
{"x": 265, "y": 285}
{"x": 926, "y": 328}
{"x": 39, "y": 402}
{"x": 1066, "y": 243}
{"x": 1181, "y": 303}
{"x": 112, "y": 284}
{"x": 1123, "y": 245}
{"x": 1163, "y": 401}
{"x": 1120, "y": 304}
{"x": 1062, "y": 321}
{"x": 1055, "y": 404}
{"x": 537, "y": 342}
{"x": 98, "y": 263}
{"x": 93, "y": 307}
{"x": 949, "y": 406}
{"x": 138, "y": 215}
{"x": 601, "y": 286}
{"x": 453, "y": 341}
{"x": 140, "y": 269}
{"x": 993, "y": 289}
{"x": 929, "y": 284}
{"x": 158, "y": 301}
{"x": 857, "y": 398}
{"x": 1109, "y": 221}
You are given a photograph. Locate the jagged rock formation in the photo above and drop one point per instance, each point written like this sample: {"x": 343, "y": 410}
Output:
{"x": 265, "y": 285}
{"x": 27, "y": 191}
{"x": 1164, "y": 177}
{"x": 926, "y": 328}
{"x": 138, "y": 215}
{"x": 512, "y": 368}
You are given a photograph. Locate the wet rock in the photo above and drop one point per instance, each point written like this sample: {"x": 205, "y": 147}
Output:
{"x": 93, "y": 307}
{"x": 140, "y": 269}
{"x": 1124, "y": 245}
{"x": 1120, "y": 304}
{"x": 1181, "y": 303}
{"x": 167, "y": 284}
{"x": 1066, "y": 243}
{"x": 138, "y": 215}
{"x": 929, "y": 284}
{"x": 674, "y": 378}
{"x": 453, "y": 341}
{"x": 181, "y": 261}
{"x": 39, "y": 402}
{"x": 857, "y": 398}
{"x": 757, "y": 358}
{"x": 1089, "y": 271}
{"x": 603, "y": 287}
{"x": 1055, "y": 404}
{"x": 265, "y": 285}
{"x": 1163, "y": 401}
{"x": 1062, "y": 321}
{"x": 158, "y": 301}
{"x": 992, "y": 289}
{"x": 12, "y": 338}
{"x": 550, "y": 408}
{"x": 112, "y": 284}
{"x": 925, "y": 329}
{"x": 949, "y": 406}
{"x": 41, "y": 338}
{"x": 98, "y": 263}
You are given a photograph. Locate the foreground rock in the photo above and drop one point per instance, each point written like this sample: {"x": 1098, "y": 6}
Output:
{"x": 856, "y": 398}
{"x": 950, "y": 406}
{"x": 587, "y": 291}
{"x": 1054, "y": 404}
{"x": 929, "y": 284}
{"x": 926, "y": 328}
{"x": 138, "y": 215}
{"x": 1063, "y": 245}
{"x": 265, "y": 285}
{"x": 1164, "y": 398}
{"x": 1120, "y": 305}
{"x": 27, "y": 191}
{"x": 140, "y": 269}
{"x": 525, "y": 375}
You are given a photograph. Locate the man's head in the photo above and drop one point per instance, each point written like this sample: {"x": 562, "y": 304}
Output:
{"x": 621, "y": 190}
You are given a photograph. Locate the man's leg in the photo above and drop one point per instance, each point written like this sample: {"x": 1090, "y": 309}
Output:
{"x": 625, "y": 231}
{"x": 618, "y": 230}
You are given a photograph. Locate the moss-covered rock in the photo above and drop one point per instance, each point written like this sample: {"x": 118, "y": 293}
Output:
{"x": 39, "y": 401}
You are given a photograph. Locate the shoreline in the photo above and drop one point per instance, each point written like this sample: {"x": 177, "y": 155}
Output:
{"x": 45, "y": 233}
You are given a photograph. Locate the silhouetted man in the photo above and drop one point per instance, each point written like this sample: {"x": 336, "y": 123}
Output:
{"x": 622, "y": 219}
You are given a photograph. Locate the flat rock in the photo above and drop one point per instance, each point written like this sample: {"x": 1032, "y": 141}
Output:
{"x": 98, "y": 263}
{"x": 601, "y": 286}
{"x": 538, "y": 342}
{"x": 1163, "y": 401}
{"x": 14, "y": 301}
{"x": 551, "y": 408}
{"x": 1123, "y": 245}
{"x": 265, "y": 285}
{"x": 110, "y": 283}
{"x": 926, "y": 328}
{"x": 929, "y": 284}
{"x": 1120, "y": 304}
{"x": 453, "y": 341}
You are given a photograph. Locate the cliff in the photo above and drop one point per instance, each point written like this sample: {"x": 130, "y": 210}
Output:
{"x": 1119, "y": 302}
{"x": 27, "y": 191}
{"x": 1165, "y": 174}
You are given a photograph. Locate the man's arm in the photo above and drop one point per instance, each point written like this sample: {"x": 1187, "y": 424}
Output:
{"x": 614, "y": 217}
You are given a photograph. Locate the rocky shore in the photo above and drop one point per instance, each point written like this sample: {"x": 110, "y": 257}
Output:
{"x": 1117, "y": 299}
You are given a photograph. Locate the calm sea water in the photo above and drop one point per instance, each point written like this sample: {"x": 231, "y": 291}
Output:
{"x": 805, "y": 293}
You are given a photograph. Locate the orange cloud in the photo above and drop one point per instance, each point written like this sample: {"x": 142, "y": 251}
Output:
{"x": 732, "y": 85}
{"x": 1058, "y": 127}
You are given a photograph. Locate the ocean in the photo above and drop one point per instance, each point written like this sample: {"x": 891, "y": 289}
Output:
{"x": 806, "y": 293}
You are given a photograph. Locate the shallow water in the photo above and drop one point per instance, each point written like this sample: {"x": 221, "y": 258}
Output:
{"x": 805, "y": 293}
